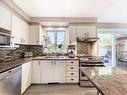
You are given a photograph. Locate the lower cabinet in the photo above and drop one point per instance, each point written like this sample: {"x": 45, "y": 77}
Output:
{"x": 36, "y": 72}
{"x": 72, "y": 71}
{"x": 55, "y": 71}
{"x": 26, "y": 76}
{"x": 52, "y": 71}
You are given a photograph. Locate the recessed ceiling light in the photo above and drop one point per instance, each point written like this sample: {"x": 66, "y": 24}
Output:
{"x": 48, "y": 24}
{"x": 61, "y": 24}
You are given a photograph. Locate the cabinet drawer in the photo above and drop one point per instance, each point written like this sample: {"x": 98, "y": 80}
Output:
{"x": 72, "y": 79}
{"x": 72, "y": 74}
{"x": 73, "y": 62}
{"x": 72, "y": 68}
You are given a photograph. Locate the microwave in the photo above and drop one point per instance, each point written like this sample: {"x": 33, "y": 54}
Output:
{"x": 6, "y": 40}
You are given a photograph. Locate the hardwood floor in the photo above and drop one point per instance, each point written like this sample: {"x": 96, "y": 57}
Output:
{"x": 59, "y": 89}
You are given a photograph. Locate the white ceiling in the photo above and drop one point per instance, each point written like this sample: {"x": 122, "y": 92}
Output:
{"x": 105, "y": 10}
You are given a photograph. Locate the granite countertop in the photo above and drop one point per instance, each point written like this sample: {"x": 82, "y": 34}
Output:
{"x": 108, "y": 80}
{"x": 54, "y": 58}
{"x": 4, "y": 66}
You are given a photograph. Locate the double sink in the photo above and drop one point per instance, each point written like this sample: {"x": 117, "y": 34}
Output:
{"x": 54, "y": 57}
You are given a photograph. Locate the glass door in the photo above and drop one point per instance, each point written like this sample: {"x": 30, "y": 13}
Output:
{"x": 105, "y": 47}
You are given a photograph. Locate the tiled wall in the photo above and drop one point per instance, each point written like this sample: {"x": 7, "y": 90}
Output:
{"x": 7, "y": 55}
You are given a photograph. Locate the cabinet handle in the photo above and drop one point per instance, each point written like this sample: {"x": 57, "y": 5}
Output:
{"x": 87, "y": 34}
{"x": 37, "y": 42}
{"x": 72, "y": 67}
{"x": 72, "y": 79}
{"x": 70, "y": 42}
{"x": 39, "y": 63}
{"x": 72, "y": 73}
{"x": 55, "y": 62}
{"x": 21, "y": 40}
{"x": 72, "y": 62}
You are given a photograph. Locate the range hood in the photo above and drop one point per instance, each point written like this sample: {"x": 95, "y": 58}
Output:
{"x": 87, "y": 39}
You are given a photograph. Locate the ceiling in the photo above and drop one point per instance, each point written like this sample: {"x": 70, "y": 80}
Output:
{"x": 105, "y": 10}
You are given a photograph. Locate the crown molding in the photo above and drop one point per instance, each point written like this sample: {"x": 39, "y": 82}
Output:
{"x": 112, "y": 25}
{"x": 64, "y": 19}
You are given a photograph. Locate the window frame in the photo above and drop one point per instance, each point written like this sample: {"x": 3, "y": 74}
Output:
{"x": 65, "y": 38}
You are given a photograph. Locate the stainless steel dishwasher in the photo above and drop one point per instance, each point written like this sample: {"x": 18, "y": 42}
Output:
{"x": 10, "y": 82}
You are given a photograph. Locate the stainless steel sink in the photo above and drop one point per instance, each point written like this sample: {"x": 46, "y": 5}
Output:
{"x": 54, "y": 56}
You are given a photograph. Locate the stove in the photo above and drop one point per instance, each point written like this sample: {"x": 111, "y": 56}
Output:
{"x": 89, "y": 61}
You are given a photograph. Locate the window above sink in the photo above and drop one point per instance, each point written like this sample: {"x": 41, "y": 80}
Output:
{"x": 56, "y": 41}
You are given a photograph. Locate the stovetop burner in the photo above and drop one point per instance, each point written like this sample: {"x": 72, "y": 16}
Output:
{"x": 91, "y": 61}
{"x": 91, "y": 58}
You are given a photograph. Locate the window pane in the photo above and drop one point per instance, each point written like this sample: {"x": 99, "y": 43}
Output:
{"x": 105, "y": 47}
{"x": 56, "y": 41}
{"x": 51, "y": 41}
{"x": 60, "y": 41}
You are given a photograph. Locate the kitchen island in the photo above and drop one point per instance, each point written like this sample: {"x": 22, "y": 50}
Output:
{"x": 108, "y": 80}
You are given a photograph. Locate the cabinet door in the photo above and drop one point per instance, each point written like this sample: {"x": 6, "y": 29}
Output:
{"x": 59, "y": 71}
{"x": 16, "y": 29}
{"x": 25, "y": 32}
{"x": 72, "y": 34}
{"x": 5, "y": 18}
{"x": 34, "y": 34}
{"x": 81, "y": 31}
{"x": 36, "y": 72}
{"x": 20, "y": 30}
{"x": 26, "y": 76}
{"x": 47, "y": 70}
{"x": 86, "y": 31}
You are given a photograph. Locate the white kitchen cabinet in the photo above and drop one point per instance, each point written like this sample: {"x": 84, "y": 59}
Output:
{"x": 26, "y": 76}
{"x": 52, "y": 71}
{"x": 20, "y": 30}
{"x": 59, "y": 71}
{"x": 72, "y": 34}
{"x": 36, "y": 35}
{"x": 86, "y": 31}
{"x": 5, "y": 18}
{"x": 72, "y": 71}
{"x": 36, "y": 72}
{"x": 47, "y": 69}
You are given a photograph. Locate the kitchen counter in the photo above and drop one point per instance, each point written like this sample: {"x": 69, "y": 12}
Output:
{"x": 108, "y": 80}
{"x": 4, "y": 66}
{"x": 54, "y": 58}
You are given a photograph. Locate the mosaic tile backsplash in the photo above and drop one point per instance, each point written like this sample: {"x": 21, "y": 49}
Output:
{"x": 7, "y": 55}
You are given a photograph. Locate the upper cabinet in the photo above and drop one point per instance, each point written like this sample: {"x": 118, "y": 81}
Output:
{"x": 36, "y": 35}
{"x": 72, "y": 34}
{"x": 20, "y": 30}
{"x": 81, "y": 30}
{"x": 5, "y": 18}
{"x": 86, "y": 31}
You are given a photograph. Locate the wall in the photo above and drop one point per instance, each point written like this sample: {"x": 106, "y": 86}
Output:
{"x": 7, "y": 55}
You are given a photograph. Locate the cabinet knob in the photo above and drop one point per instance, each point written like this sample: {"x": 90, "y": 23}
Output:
{"x": 72, "y": 79}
